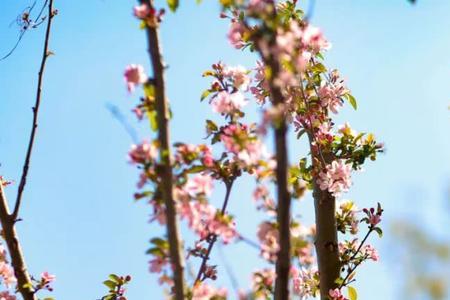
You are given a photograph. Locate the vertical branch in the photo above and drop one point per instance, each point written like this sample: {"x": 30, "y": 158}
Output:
{"x": 24, "y": 284}
{"x": 175, "y": 250}
{"x": 283, "y": 196}
{"x": 326, "y": 241}
{"x": 26, "y": 166}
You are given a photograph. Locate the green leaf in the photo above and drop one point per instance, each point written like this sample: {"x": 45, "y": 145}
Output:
{"x": 196, "y": 169}
{"x": 319, "y": 68}
{"x": 300, "y": 133}
{"x": 352, "y": 294}
{"x": 379, "y": 231}
{"x": 152, "y": 117}
{"x": 114, "y": 278}
{"x": 173, "y": 4}
{"x": 352, "y": 101}
{"x": 211, "y": 126}
{"x": 110, "y": 284}
{"x": 149, "y": 90}
{"x": 205, "y": 94}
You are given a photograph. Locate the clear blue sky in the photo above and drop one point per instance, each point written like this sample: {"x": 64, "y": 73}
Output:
{"x": 80, "y": 221}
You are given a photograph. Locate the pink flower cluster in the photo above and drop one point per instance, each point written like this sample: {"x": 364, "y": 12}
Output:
{"x": 134, "y": 75}
{"x": 143, "y": 153}
{"x": 203, "y": 291}
{"x": 336, "y": 179}
{"x": 331, "y": 92}
{"x": 268, "y": 238}
{"x": 225, "y": 103}
{"x": 305, "y": 282}
{"x": 336, "y": 295}
{"x": 5, "y": 295}
{"x": 238, "y": 140}
{"x": 6, "y": 271}
{"x": 235, "y": 35}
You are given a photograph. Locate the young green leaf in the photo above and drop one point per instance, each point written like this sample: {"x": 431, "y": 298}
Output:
{"x": 352, "y": 294}
{"x": 173, "y": 4}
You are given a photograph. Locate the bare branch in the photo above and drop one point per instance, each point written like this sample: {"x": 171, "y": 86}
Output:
{"x": 26, "y": 166}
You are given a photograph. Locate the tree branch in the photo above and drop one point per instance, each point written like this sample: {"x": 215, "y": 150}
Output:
{"x": 213, "y": 237}
{"x": 283, "y": 195}
{"x": 24, "y": 284}
{"x": 175, "y": 250}
{"x": 26, "y": 166}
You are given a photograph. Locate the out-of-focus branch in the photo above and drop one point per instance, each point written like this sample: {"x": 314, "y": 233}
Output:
{"x": 26, "y": 166}
{"x": 283, "y": 196}
{"x": 175, "y": 250}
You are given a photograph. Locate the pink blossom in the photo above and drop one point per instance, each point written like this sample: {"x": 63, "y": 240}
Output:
{"x": 47, "y": 277}
{"x": 134, "y": 75}
{"x": 143, "y": 153}
{"x": 374, "y": 219}
{"x": 305, "y": 282}
{"x": 235, "y": 35}
{"x": 157, "y": 264}
{"x": 142, "y": 11}
{"x": 313, "y": 38}
{"x": 371, "y": 252}
{"x": 225, "y": 103}
{"x": 200, "y": 184}
{"x": 5, "y": 295}
{"x": 203, "y": 291}
{"x": 268, "y": 237}
{"x": 324, "y": 133}
{"x": 336, "y": 294}
{"x": 138, "y": 112}
{"x": 239, "y": 76}
{"x": 336, "y": 178}
{"x": 7, "y": 273}
{"x": 331, "y": 93}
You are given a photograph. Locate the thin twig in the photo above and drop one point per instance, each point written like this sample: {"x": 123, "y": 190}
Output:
{"x": 349, "y": 272}
{"x": 213, "y": 237}
{"x": 26, "y": 166}
{"x": 175, "y": 248}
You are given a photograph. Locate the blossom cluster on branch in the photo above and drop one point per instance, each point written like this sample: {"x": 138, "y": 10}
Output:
{"x": 292, "y": 65}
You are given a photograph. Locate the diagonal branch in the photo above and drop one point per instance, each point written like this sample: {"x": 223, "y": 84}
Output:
{"x": 213, "y": 237}
{"x": 175, "y": 249}
{"x": 26, "y": 166}
{"x": 24, "y": 284}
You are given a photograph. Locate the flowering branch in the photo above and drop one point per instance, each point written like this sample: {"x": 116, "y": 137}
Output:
{"x": 45, "y": 55}
{"x": 213, "y": 238}
{"x": 162, "y": 111}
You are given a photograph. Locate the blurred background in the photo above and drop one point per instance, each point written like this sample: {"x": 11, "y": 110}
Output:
{"x": 80, "y": 221}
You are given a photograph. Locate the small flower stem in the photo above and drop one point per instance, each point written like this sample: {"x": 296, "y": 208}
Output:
{"x": 175, "y": 248}
{"x": 213, "y": 237}
{"x": 349, "y": 272}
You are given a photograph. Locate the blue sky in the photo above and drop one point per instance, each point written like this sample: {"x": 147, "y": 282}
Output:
{"x": 80, "y": 221}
